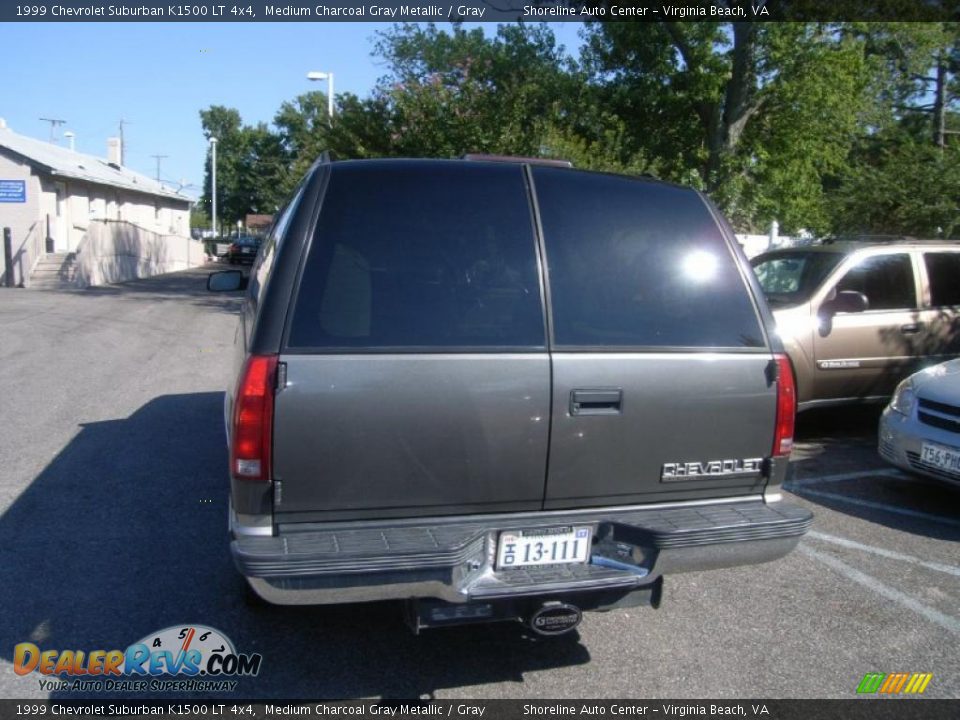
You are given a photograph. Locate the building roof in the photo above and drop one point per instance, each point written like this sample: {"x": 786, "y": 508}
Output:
{"x": 67, "y": 163}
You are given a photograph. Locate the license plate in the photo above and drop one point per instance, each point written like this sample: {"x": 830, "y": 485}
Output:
{"x": 547, "y": 546}
{"x": 942, "y": 457}
{"x": 247, "y": 251}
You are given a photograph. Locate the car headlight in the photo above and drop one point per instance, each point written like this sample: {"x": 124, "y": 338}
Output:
{"x": 904, "y": 398}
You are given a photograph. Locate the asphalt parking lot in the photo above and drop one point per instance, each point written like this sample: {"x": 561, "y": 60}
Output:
{"x": 112, "y": 525}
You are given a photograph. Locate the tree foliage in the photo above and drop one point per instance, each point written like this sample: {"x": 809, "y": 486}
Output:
{"x": 823, "y": 126}
{"x": 251, "y": 166}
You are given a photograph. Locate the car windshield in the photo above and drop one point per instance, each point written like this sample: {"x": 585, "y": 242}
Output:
{"x": 248, "y": 241}
{"x": 788, "y": 278}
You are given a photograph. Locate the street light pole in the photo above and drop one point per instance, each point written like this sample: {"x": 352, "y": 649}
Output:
{"x": 328, "y": 76}
{"x": 213, "y": 193}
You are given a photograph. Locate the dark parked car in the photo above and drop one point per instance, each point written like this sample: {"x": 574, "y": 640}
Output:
{"x": 502, "y": 390}
{"x": 243, "y": 250}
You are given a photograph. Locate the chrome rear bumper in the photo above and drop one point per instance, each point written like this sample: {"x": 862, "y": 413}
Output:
{"x": 453, "y": 559}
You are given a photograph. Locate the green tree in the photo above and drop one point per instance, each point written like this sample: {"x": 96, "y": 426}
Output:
{"x": 756, "y": 112}
{"x": 303, "y": 129}
{"x": 902, "y": 174}
{"x": 251, "y": 166}
{"x": 225, "y": 125}
{"x": 450, "y": 93}
{"x": 902, "y": 186}
{"x": 361, "y": 127}
{"x": 199, "y": 219}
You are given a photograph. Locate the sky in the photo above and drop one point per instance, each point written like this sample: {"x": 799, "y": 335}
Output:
{"x": 158, "y": 76}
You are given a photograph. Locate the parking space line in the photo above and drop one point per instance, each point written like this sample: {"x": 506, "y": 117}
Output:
{"x": 947, "y": 622}
{"x": 816, "y": 480}
{"x": 853, "y": 545}
{"x": 803, "y": 492}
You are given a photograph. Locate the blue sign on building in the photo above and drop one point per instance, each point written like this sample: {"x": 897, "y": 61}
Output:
{"x": 13, "y": 191}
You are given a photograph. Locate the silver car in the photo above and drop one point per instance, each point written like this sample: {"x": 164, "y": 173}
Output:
{"x": 920, "y": 428}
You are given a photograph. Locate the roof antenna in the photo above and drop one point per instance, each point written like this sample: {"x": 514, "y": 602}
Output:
{"x": 158, "y": 158}
{"x": 53, "y": 124}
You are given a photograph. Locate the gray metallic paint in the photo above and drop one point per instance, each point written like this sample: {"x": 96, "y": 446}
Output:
{"x": 676, "y": 408}
{"x": 380, "y": 435}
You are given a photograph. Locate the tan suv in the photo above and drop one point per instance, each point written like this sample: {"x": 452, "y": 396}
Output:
{"x": 858, "y": 317}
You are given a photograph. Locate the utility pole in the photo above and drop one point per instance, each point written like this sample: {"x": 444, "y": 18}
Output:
{"x": 159, "y": 158}
{"x": 213, "y": 192}
{"x": 53, "y": 124}
{"x": 123, "y": 145}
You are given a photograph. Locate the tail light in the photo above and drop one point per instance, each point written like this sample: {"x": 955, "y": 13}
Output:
{"x": 786, "y": 407}
{"x": 253, "y": 419}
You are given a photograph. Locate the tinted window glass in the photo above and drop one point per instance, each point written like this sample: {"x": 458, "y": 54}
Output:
{"x": 421, "y": 255}
{"x": 636, "y": 263}
{"x": 943, "y": 271}
{"x": 263, "y": 267}
{"x": 886, "y": 280}
{"x": 792, "y": 277}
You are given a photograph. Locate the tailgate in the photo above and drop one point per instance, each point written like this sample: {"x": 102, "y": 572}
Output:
{"x": 658, "y": 427}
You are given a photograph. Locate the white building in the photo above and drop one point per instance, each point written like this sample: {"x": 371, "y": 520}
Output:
{"x": 49, "y": 195}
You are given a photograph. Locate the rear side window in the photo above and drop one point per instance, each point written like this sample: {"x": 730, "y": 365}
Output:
{"x": 792, "y": 277}
{"x": 636, "y": 263}
{"x": 429, "y": 255}
{"x": 943, "y": 271}
{"x": 886, "y": 280}
{"x": 263, "y": 266}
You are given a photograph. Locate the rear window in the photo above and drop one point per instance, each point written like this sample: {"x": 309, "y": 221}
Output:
{"x": 639, "y": 264}
{"x": 429, "y": 255}
{"x": 943, "y": 271}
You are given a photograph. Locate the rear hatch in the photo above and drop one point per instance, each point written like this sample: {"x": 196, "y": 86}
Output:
{"x": 418, "y": 380}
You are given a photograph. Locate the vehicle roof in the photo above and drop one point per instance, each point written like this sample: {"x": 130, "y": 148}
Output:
{"x": 373, "y": 164}
{"x": 846, "y": 247}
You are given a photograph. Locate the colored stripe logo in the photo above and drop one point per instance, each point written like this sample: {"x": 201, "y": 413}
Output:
{"x": 894, "y": 683}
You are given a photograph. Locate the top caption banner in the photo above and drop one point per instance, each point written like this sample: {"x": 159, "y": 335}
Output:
{"x": 481, "y": 11}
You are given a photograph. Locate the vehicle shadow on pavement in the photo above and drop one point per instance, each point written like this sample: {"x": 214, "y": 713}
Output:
{"x": 124, "y": 533}
{"x": 183, "y": 286}
{"x": 835, "y": 442}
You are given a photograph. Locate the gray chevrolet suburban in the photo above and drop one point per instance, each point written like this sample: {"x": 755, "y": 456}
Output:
{"x": 499, "y": 389}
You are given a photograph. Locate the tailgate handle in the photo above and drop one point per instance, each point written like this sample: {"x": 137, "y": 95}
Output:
{"x": 596, "y": 402}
